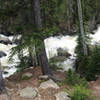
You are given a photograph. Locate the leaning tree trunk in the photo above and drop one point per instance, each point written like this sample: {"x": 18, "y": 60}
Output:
{"x": 1, "y": 82}
{"x": 2, "y": 85}
{"x": 42, "y": 55}
{"x": 82, "y": 28}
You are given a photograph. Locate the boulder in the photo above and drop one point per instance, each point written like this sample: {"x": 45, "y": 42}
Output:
{"x": 3, "y": 97}
{"x": 27, "y": 75}
{"x": 62, "y": 52}
{"x": 48, "y": 84}
{"x": 43, "y": 77}
{"x": 5, "y": 72}
{"x": 2, "y": 54}
{"x": 62, "y": 96}
{"x": 17, "y": 41}
{"x": 28, "y": 92}
{"x": 5, "y": 40}
{"x": 57, "y": 59}
{"x": 6, "y": 67}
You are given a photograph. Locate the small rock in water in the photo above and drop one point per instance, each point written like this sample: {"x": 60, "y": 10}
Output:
{"x": 62, "y": 96}
{"x": 28, "y": 92}
{"x": 2, "y": 54}
{"x": 57, "y": 59}
{"x": 5, "y": 41}
{"x": 5, "y": 67}
{"x": 27, "y": 75}
{"x": 5, "y": 72}
{"x": 49, "y": 84}
{"x": 62, "y": 52}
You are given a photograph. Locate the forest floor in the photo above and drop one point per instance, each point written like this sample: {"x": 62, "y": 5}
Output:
{"x": 95, "y": 87}
{"x": 14, "y": 84}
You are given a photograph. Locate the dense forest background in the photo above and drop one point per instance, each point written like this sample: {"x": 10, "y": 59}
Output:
{"x": 36, "y": 20}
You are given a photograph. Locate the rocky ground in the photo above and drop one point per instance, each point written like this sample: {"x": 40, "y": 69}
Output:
{"x": 32, "y": 87}
{"x": 95, "y": 87}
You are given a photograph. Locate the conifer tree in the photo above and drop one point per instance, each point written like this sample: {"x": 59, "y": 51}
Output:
{"x": 85, "y": 50}
{"x": 42, "y": 57}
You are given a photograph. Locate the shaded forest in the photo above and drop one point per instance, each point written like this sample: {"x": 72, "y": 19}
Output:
{"x": 37, "y": 20}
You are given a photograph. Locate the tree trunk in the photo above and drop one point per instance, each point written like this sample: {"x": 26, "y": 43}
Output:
{"x": 98, "y": 11}
{"x": 32, "y": 57}
{"x": 2, "y": 84}
{"x": 37, "y": 18}
{"x": 42, "y": 55}
{"x": 69, "y": 13}
{"x": 82, "y": 27}
{"x": 98, "y": 20}
{"x": 1, "y": 28}
{"x": 1, "y": 80}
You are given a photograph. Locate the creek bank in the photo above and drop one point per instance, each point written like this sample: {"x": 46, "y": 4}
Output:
{"x": 18, "y": 88}
{"x": 14, "y": 86}
{"x": 95, "y": 87}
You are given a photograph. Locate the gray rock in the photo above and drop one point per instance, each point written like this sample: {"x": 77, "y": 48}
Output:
{"x": 5, "y": 72}
{"x": 62, "y": 96}
{"x": 43, "y": 77}
{"x": 6, "y": 67}
{"x": 2, "y": 54}
{"x": 28, "y": 92}
{"x": 62, "y": 52}
{"x": 27, "y": 75}
{"x": 48, "y": 84}
{"x": 57, "y": 59}
{"x": 5, "y": 40}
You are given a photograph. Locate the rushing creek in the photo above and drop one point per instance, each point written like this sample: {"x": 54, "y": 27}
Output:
{"x": 52, "y": 44}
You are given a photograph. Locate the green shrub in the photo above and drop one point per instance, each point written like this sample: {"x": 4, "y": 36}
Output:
{"x": 89, "y": 66}
{"x": 53, "y": 66}
{"x": 73, "y": 79}
{"x": 93, "y": 64}
{"x": 23, "y": 64}
{"x": 82, "y": 65}
{"x": 80, "y": 93}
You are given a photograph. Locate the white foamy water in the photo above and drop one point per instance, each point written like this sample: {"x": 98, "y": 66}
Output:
{"x": 5, "y": 60}
{"x": 68, "y": 43}
{"x": 95, "y": 37}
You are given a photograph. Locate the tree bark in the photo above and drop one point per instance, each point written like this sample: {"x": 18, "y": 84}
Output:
{"x": 82, "y": 28}
{"x": 2, "y": 84}
{"x": 69, "y": 13}
{"x": 43, "y": 61}
{"x": 32, "y": 57}
{"x": 37, "y": 18}
{"x": 1, "y": 28}
{"x": 1, "y": 80}
{"x": 98, "y": 11}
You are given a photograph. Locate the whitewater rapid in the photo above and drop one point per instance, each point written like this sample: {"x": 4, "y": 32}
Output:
{"x": 67, "y": 42}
